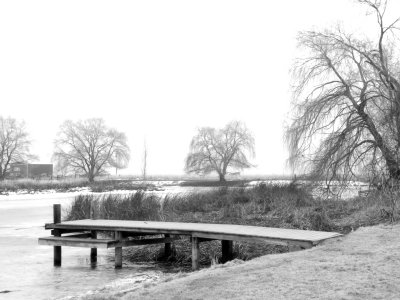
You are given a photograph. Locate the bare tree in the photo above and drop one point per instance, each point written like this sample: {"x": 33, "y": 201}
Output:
{"x": 90, "y": 147}
{"x": 14, "y": 144}
{"x": 213, "y": 150}
{"x": 347, "y": 102}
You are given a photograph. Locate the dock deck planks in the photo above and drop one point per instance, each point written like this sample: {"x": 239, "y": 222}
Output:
{"x": 86, "y": 236}
{"x": 204, "y": 230}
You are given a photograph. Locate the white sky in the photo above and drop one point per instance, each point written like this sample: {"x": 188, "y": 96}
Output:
{"x": 158, "y": 69}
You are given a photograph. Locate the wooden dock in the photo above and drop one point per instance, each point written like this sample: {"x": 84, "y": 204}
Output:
{"x": 83, "y": 233}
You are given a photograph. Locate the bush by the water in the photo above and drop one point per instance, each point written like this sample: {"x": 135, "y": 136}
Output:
{"x": 284, "y": 206}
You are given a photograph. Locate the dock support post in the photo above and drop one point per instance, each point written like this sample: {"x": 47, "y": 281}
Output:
{"x": 93, "y": 233}
{"x": 57, "y": 249}
{"x": 167, "y": 247}
{"x": 93, "y": 251}
{"x": 227, "y": 250}
{"x": 118, "y": 251}
{"x": 195, "y": 253}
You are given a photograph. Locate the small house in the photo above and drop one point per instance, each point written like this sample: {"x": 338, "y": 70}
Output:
{"x": 25, "y": 170}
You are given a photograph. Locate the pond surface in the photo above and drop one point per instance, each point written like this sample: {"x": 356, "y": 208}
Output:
{"x": 27, "y": 270}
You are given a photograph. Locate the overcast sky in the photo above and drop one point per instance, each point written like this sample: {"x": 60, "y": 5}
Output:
{"x": 158, "y": 70}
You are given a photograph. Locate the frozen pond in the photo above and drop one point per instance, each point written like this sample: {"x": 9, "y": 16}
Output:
{"x": 27, "y": 270}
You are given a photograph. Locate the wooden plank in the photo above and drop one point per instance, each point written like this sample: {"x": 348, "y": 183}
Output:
{"x": 64, "y": 231}
{"x": 100, "y": 243}
{"x": 195, "y": 253}
{"x": 76, "y": 242}
{"x": 129, "y": 243}
{"x": 82, "y": 235}
{"x": 274, "y": 241}
{"x": 136, "y": 230}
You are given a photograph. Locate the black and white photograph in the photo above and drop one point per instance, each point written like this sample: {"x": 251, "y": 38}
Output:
{"x": 181, "y": 149}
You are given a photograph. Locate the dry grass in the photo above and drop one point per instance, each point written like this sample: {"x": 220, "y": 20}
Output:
{"x": 362, "y": 265}
{"x": 270, "y": 206}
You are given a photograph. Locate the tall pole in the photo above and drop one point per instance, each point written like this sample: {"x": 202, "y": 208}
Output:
{"x": 144, "y": 168}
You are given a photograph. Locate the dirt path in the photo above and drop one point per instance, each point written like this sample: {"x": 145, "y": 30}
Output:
{"x": 363, "y": 265}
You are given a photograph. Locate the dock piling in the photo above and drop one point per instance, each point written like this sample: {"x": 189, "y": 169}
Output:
{"x": 167, "y": 247}
{"x": 227, "y": 250}
{"x": 93, "y": 233}
{"x": 57, "y": 219}
{"x": 118, "y": 250}
{"x": 195, "y": 253}
{"x": 93, "y": 251}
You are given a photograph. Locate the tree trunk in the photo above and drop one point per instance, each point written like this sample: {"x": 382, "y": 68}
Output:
{"x": 2, "y": 174}
{"x": 91, "y": 177}
{"x": 391, "y": 161}
{"x": 222, "y": 177}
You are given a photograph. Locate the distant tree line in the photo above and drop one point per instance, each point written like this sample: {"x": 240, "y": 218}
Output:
{"x": 90, "y": 147}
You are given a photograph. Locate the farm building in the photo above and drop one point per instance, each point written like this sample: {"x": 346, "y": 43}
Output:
{"x": 25, "y": 170}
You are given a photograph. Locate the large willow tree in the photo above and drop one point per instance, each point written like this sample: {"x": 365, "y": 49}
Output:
{"x": 220, "y": 150}
{"x": 347, "y": 101}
